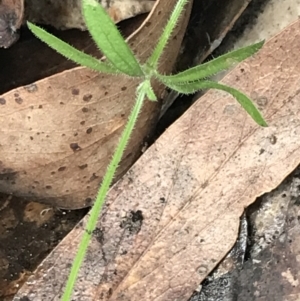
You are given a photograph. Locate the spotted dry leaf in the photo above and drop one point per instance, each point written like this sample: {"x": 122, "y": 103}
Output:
{"x": 175, "y": 214}
{"x": 58, "y": 134}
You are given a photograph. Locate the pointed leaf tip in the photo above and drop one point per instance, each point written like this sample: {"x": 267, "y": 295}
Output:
{"x": 244, "y": 101}
{"x": 214, "y": 66}
{"x": 70, "y": 52}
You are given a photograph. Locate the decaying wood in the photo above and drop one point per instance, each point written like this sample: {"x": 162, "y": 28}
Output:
{"x": 175, "y": 214}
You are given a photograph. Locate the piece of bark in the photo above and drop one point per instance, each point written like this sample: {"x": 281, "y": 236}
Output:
{"x": 175, "y": 214}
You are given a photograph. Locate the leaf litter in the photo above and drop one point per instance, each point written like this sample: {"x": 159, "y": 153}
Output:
{"x": 191, "y": 187}
{"x": 226, "y": 13}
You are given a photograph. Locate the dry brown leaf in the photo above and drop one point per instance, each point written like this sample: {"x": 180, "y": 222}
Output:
{"x": 67, "y": 13}
{"x": 58, "y": 134}
{"x": 175, "y": 214}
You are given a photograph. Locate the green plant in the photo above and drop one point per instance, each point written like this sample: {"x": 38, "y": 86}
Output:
{"x": 120, "y": 60}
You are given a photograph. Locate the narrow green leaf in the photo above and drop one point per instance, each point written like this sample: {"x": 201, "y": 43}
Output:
{"x": 174, "y": 18}
{"x": 244, "y": 101}
{"x": 70, "y": 52}
{"x": 108, "y": 39}
{"x": 214, "y": 66}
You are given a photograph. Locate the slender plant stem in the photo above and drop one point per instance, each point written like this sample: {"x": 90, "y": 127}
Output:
{"x": 107, "y": 180}
{"x": 174, "y": 18}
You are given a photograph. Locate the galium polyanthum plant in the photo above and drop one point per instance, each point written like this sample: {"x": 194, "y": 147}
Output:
{"x": 121, "y": 61}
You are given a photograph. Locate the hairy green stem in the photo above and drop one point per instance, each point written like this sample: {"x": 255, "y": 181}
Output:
{"x": 107, "y": 180}
{"x": 157, "y": 52}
